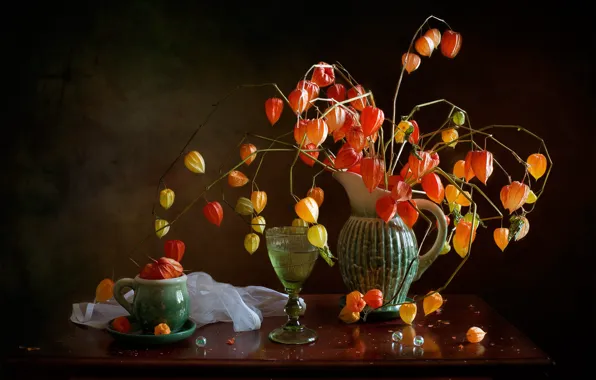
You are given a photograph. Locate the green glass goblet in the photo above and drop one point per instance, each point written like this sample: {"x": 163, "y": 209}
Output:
{"x": 293, "y": 258}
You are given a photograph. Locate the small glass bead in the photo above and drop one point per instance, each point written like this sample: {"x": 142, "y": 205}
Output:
{"x": 418, "y": 340}
{"x": 397, "y": 336}
{"x": 201, "y": 341}
{"x": 418, "y": 351}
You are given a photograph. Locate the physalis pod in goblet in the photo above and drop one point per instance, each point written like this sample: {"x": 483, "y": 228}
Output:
{"x": 162, "y": 227}
{"x": 251, "y": 242}
{"x": 194, "y": 162}
{"x": 166, "y": 198}
{"x": 299, "y": 223}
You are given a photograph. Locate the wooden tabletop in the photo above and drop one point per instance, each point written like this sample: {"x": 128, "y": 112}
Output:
{"x": 346, "y": 350}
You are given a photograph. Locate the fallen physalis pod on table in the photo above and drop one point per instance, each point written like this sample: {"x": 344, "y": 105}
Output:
{"x": 162, "y": 329}
{"x": 475, "y": 334}
{"x": 105, "y": 290}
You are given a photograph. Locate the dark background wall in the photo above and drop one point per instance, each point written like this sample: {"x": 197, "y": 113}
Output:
{"x": 102, "y": 96}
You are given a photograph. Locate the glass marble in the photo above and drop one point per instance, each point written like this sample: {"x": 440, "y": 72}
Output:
{"x": 201, "y": 341}
{"x": 397, "y": 336}
{"x": 418, "y": 341}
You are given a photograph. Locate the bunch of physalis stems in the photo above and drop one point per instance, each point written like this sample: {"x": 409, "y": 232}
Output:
{"x": 382, "y": 147}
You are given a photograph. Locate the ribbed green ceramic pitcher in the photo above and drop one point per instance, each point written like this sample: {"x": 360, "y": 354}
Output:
{"x": 373, "y": 254}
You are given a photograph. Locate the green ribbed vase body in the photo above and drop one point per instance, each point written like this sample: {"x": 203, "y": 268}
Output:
{"x": 373, "y": 254}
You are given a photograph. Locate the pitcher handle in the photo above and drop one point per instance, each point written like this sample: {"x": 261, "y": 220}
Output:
{"x": 118, "y": 286}
{"x": 429, "y": 257}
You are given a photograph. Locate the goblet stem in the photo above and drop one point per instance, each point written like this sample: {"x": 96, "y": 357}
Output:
{"x": 293, "y": 310}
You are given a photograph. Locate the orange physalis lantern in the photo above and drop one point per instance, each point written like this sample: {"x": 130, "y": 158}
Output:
{"x": 105, "y": 290}
{"x": 536, "y": 165}
{"x": 298, "y": 100}
{"x": 317, "y": 194}
{"x": 355, "y": 91}
{"x": 459, "y": 169}
{"x": 121, "y": 324}
{"x": 407, "y": 213}
{"x": 501, "y": 236}
{"x": 386, "y": 208}
{"x": 150, "y": 272}
{"x": 407, "y": 312}
{"x": 415, "y": 135}
{"x": 513, "y": 196}
{"x": 300, "y": 132}
{"x": 237, "y": 178}
{"x": 434, "y": 35}
{"x": 451, "y": 193}
{"x": 247, "y": 153}
{"x": 169, "y": 268}
{"x": 213, "y": 212}
{"x": 162, "y": 329}
{"x": 520, "y": 226}
{"x": 355, "y": 137}
{"x": 311, "y": 88}
{"x": 194, "y": 162}
{"x": 174, "y": 249}
{"x": 410, "y": 61}
{"x": 374, "y": 298}
{"x": 273, "y": 109}
{"x": 323, "y": 76}
{"x": 336, "y": 119}
{"x": 424, "y": 46}
{"x": 432, "y": 185}
{"x": 337, "y": 92}
{"x": 355, "y": 169}
{"x": 347, "y": 157}
{"x": 348, "y": 316}
{"x": 259, "y": 200}
{"x": 371, "y": 120}
{"x": 461, "y": 239}
{"x": 372, "y": 170}
{"x": 482, "y": 164}
{"x": 304, "y": 156}
{"x": 462, "y": 199}
{"x": 401, "y": 191}
{"x": 354, "y": 302}
{"x": 307, "y": 210}
{"x": 316, "y": 131}
{"x": 424, "y": 164}
{"x": 450, "y": 136}
{"x": 468, "y": 170}
{"x": 432, "y": 303}
{"x": 450, "y": 44}
{"x": 330, "y": 162}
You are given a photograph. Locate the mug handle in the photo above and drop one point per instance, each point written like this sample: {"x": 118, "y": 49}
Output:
{"x": 428, "y": 258}
{"x": 118, "y": 286}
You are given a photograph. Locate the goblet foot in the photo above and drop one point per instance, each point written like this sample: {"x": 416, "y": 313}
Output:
{"x": 302, "y": 335}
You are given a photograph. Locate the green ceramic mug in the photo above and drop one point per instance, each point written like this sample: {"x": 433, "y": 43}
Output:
{"x": 156, "y": 301}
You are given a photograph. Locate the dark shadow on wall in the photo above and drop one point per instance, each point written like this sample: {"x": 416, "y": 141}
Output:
{"x": 104, "y": 95}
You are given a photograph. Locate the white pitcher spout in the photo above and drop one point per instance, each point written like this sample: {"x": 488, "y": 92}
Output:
{"x": 362, "y": 201}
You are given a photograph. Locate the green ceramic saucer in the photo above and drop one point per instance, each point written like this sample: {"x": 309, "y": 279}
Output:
{"x": 137, "y": 337}
{"x": 386, "y": 313}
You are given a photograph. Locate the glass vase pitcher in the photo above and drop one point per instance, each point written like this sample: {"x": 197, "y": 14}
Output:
{"x": 373, "y": 254}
